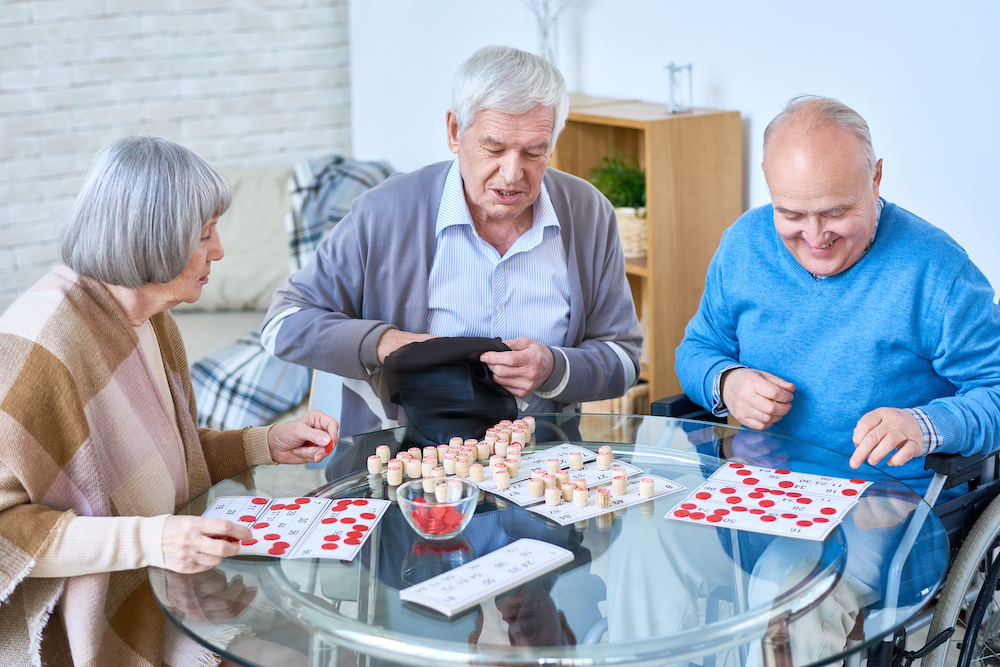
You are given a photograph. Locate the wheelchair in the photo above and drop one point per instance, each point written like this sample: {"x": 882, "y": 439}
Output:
{"x": 965, "y": 614}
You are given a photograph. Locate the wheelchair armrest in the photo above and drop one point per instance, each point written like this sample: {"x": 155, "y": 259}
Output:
{"x": 960, "y": 469}
{"x": 682, "y": 407}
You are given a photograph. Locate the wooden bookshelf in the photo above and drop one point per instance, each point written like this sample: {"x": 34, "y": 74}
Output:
{"x": 694, "y": 182}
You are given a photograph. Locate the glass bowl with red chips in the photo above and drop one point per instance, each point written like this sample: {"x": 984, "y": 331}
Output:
{"x": 436, "y": 515}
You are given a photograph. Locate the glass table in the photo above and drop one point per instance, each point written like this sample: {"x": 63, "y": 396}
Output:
{"x": 642, "y": 589}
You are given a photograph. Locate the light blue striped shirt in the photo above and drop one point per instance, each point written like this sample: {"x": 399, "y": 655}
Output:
{"x": 473, "y": 291}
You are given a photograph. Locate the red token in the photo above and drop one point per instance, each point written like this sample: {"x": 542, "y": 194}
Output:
{"x": 272, "y": 536}
{"x": 857, "y": 481}
{"x": 329, "y": 545}
{"x": 330, "y": 519}
{"x": 804, "y": 523}
{"x": 259, "y": 501}
{"x": 804, "y": 501}
{"x": 688, "y": 506}
{"x": 762, "y": 489}
{"x": 756, "y": 495}
{"x": 721, "y": 512}
{"x": 422, "y": 501}
{"x": 769, "y": 517}
{"x": 248, "y": 543}
{"x": 352, "y": 541}
{"x": 232, "y": 539}
{"x": 291, "y": 507}
{"x": 277, "y": 506}
{"x": 281, "y": 545}
{"x": 732, "y": 500}
{"x": 777, "y": 492}
{"x": 828, "y": 510}
{"x": 681, "y": 513}
{"x": 728, "y": 489}
{"x": 361, "y": 527}
{"x": 739, "y": 508}
{"x": 783, "y": 472}
{"x": 750, "y": 480}
{"x": 369, "y": 515}
{"x": 262, "y": 524}
{"x": 302, "y": 501}
{"x": 359, "y": 501}
{"x": 735, "y": 465}
{"x": 715, "y": 518}
{"x": 786, "y": 484}
{"x": 789, "y": 516}
{"x": 766, "y": 503}
{"x": 329, "y": 448}
{"x": 248, "y": 517}
{"x": 793, "y": 494}
{"x": 697, "y": 515}
{"x": 821, "y": 519}
{"x": 743, "y": 473}
{"x": 355, "y": 535}
{"x": 348, "y": 519}
{"x": 703, "y": 495}
{"x": 850, "y": 492}
{"x": 276, "y": 551}
{"x": 756, "y": 511}
{"x": 331, "y": 538}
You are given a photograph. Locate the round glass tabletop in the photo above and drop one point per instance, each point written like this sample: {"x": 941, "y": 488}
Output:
{"x": 643, "y": 588}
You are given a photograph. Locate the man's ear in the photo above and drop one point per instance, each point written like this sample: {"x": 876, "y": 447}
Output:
{"x": 878, "y": 177}
{"x": 451, "y": 121}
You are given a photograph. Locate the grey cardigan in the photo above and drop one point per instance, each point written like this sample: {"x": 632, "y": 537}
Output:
{"x": 371, "y": 274}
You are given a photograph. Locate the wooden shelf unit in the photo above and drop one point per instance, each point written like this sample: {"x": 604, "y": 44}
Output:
{"x": 694, "y": 191}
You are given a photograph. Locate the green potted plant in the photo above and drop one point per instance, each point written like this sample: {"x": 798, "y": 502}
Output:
{"x": 623, "y": 182}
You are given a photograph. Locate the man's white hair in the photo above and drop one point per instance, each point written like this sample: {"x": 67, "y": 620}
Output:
{"x": 816, "y": 111}
{"x": 507, "y": 80}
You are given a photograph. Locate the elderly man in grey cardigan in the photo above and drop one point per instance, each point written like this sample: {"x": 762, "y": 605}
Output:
{"x": 490, "y": 244}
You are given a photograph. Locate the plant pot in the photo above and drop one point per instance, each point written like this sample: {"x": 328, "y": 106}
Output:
{"x": 632, "y": 230}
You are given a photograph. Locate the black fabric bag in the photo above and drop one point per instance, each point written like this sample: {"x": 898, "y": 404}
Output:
{"x": 445, "y": 389}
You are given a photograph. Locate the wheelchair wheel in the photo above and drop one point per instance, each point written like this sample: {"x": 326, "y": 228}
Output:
{"x": 977, "y": 557}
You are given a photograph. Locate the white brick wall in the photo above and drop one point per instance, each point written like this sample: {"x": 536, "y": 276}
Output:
{"x": 245, "y": 82}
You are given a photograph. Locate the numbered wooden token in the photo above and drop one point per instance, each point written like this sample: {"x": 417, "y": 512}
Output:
{"x": 567, "y": 491}
{"x": 536, "y": 488}
{"x": 501, "y": 478}
{"x": 383, "y": 453}
{"x": 646, "y": 487}
{"x": 441, "y": 492}
{"x": 581, "y": 497}
{"x": 619, "y": 486}
{"x": 374, "y": 464}
{"x": 604, "y": 461}
{"x": 551, "y": 466}
{"x": 394, "y": 476}
{"x": 476, "y": 472}
{"x": 603, "y": 498}
{"x": 553, "y": 496}
{"x": 512, "y": 466}
{"x": 575, "y": 461}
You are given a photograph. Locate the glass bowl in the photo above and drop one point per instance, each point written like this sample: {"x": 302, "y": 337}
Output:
{"x": 435, "y": 519}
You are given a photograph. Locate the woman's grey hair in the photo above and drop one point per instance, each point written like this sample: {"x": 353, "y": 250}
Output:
{"x": 507, "y": 80}
{"x": 139, "y": 214}
{"x": 816, "y": 111}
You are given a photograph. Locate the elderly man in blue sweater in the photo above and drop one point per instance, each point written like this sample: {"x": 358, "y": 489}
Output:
{"x": 837, "y": 318}
{"x": 834, "y": 317}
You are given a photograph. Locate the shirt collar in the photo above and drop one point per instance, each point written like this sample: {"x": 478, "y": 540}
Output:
{"x": 454, "y": 208}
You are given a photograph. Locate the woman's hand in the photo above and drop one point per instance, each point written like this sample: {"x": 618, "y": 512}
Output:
{"x": 194, "y": 543}
{"x": 207, "y": 597}
{"x": 309, "y": 438}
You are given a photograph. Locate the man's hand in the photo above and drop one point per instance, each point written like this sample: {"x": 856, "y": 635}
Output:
{"x": 522, "y": 370}
{"x": 755, "y": 398}
{"x": 309, "y": 438}
{"x": 195, "y": 543}
{"x": 393, "y": 339}
{"x": 883, "y": 430}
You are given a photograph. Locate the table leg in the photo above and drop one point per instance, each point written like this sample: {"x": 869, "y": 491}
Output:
{"x": 776, "y": 646}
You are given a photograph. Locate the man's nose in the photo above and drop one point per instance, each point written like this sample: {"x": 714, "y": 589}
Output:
{"x": 510, "y": 168}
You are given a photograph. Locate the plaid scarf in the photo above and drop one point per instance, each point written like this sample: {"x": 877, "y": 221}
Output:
{"x": 85, "y": 430}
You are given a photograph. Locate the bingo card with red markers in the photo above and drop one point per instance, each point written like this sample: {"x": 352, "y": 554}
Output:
{"x": 301, "y": 527}
{"x": 775, "y": 502}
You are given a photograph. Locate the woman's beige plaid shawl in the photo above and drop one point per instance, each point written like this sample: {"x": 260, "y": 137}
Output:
{"x": 85, "y": 430}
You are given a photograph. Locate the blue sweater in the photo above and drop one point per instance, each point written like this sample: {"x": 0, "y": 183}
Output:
{"x": 911, "y": 325}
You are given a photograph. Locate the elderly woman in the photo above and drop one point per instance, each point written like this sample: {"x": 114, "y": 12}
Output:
{"x": 98, "y": 443}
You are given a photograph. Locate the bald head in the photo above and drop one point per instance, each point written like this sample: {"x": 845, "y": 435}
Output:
{"x": 812, "y": 112}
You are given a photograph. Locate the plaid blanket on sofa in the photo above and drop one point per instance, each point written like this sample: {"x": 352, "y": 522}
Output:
{"x": 243, "y": 385}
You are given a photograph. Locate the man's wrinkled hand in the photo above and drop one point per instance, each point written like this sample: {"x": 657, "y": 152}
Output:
{"x": 522, "y": 370}
{"x": 309, "y": 438}
{"x": 393, "y": 339}
{"x": 755, "y": 398}
{"x": 883, "y": 431}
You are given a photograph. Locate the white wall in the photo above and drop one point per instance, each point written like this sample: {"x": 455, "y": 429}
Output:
{"x": 926, "y": 76}
{"x": 244, "y": 82}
